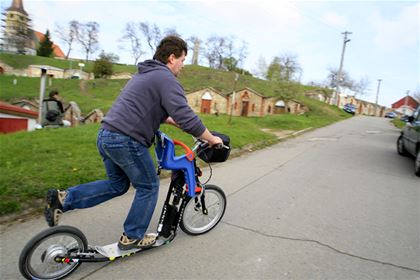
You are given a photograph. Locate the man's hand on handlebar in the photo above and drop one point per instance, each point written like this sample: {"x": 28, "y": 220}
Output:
{"x": 211, "y": 139}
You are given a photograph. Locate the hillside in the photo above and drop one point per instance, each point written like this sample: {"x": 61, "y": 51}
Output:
{"x": 34, "y": 162}
{"x": 101, "y": 93}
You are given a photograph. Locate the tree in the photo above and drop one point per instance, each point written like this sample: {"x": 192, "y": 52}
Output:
{"x": 18, "y": 39}
{"x": 284, "y": 68}
{"x": 132, "y": 34}
{"x": 242, "y": 53}
{"x": 262, "y": 67}
{"x": 361, "y": 87}
{"x": 171, "y": 32}
{"x": 88, "y": 37}
{"x": 230, "y": 63}
{"x": 290, "y": 67}
{"x": 103, "y": 66}
{"x": 15, "y": 34}
{"x": 152, "y": 34}
{"x": 45, "y": 46}
{"x": 274, "y": 71}
{"x": 218, "y": 48}
{"x": 346, "y": 81}
{"x": 416, "y": 95}
{"x": 68, "y": 35}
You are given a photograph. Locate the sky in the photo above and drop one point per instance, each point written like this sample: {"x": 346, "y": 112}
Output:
{"x": 384, "y": 41}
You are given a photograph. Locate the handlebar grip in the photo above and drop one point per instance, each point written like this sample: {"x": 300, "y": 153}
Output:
{"x": 221, "y": 146}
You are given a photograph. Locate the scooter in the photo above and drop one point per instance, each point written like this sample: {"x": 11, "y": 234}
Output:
{"x": 193, "y": 206}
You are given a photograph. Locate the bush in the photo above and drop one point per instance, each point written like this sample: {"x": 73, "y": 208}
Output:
{"x": 103, "y": 66}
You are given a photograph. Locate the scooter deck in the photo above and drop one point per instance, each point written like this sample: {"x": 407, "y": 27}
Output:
{"x": 112, "y": 251}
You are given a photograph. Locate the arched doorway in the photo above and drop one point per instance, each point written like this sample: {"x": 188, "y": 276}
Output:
{"x": 245, "y": 104}
{"x": 206, "y": 103}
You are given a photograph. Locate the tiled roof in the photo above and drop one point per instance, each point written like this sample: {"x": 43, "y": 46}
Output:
{"x": 16, "y": 110}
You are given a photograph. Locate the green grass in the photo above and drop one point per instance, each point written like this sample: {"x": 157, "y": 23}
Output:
{"x": 32, "y": 162}
{"x": 23, "y": 61}
{"x": 398, "y": 123}
{"x": 88, "y": 95}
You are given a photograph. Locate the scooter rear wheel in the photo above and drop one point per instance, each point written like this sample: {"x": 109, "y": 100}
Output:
{"x": 194, "y": 221}
{"x": 38, "y": 259}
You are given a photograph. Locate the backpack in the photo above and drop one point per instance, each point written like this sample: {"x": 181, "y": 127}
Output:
{"x": 52, "y": 115}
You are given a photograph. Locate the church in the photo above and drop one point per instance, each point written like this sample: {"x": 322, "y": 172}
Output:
{"x": 18, "y": 36}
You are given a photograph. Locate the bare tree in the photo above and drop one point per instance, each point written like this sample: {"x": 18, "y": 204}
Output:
{"x": 346, "y": 81}
{"x": 68, "y": 34}
{"x": 284, "y": 68}
{"x": 262, "y": 67}
{"x": 416, "y": 95}
{"x": 152, "y": 34}
{"x": 290, "y": 67}
{"x": 132, "y": 34}
{"x": 361, "y": 87}
{"x": 274, "y": 70}
{"x": 18, "y": 40}
{"x": 88, "y": 37}
{"x": 242, "y": 54}
{"x": 171, "y": 31}
{"x": 217, "y": 49}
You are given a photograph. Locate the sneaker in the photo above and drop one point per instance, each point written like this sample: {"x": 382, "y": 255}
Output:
{"x": 54, "y": 208}
{"x": 126, "y": 243}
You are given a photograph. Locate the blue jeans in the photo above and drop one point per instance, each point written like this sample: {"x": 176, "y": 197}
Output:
{"x": 125, "y": 160}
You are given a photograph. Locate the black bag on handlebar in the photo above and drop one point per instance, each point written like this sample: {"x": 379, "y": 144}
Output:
{"x": 213, "y": 154}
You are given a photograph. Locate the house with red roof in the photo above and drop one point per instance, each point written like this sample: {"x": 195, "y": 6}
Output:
{"x": 14, "y": 118}
{"x": 406, "y": 105}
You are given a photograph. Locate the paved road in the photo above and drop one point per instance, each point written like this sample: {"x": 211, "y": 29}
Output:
{"x": 334, "y": 203}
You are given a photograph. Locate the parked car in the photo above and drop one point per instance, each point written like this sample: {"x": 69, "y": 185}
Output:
{"x": 408, "y": 144}
{"x": 391, "y": 115}
{"x": 405, "y": 118}
{"x": 349, "y": 108}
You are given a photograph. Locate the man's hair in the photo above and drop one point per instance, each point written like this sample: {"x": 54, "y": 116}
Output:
{"x": 170, "y": 45}
{"x": 52, "y": 93}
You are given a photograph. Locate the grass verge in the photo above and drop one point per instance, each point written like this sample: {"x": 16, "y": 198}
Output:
{"x": 32, "y": 162}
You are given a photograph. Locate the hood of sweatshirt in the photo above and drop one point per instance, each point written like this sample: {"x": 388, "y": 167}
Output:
{"x": 151, "y": 65}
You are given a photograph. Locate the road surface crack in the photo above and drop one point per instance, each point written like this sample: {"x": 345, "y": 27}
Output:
{"x": 322, "y": 245}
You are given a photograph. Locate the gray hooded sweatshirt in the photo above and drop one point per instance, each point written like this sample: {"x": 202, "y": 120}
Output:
{"x": 147, "y": 100}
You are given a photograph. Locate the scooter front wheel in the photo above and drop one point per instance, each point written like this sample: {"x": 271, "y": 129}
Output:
{"x": 198, "y": 220}
{"x": 40, "y": 257}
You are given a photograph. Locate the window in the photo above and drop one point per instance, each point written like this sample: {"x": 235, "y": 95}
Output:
{"x": 253, "y": 107}
{"x": 269, "y": 109}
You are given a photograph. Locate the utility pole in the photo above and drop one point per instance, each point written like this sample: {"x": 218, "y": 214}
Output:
{"x": 340, "y": 70}
{"x": 377, "y": 95}
{"x": 377, "y": 91}
{"x": 232, "y": 107}
{"x": 42, "y": 93}
{"x": 406, "y": 102}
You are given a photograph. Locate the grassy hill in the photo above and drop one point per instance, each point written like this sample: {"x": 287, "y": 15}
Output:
{"x": 23, "y": 61}
{"x": 101, "y": 93}
{"x": 31, "y": 163}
